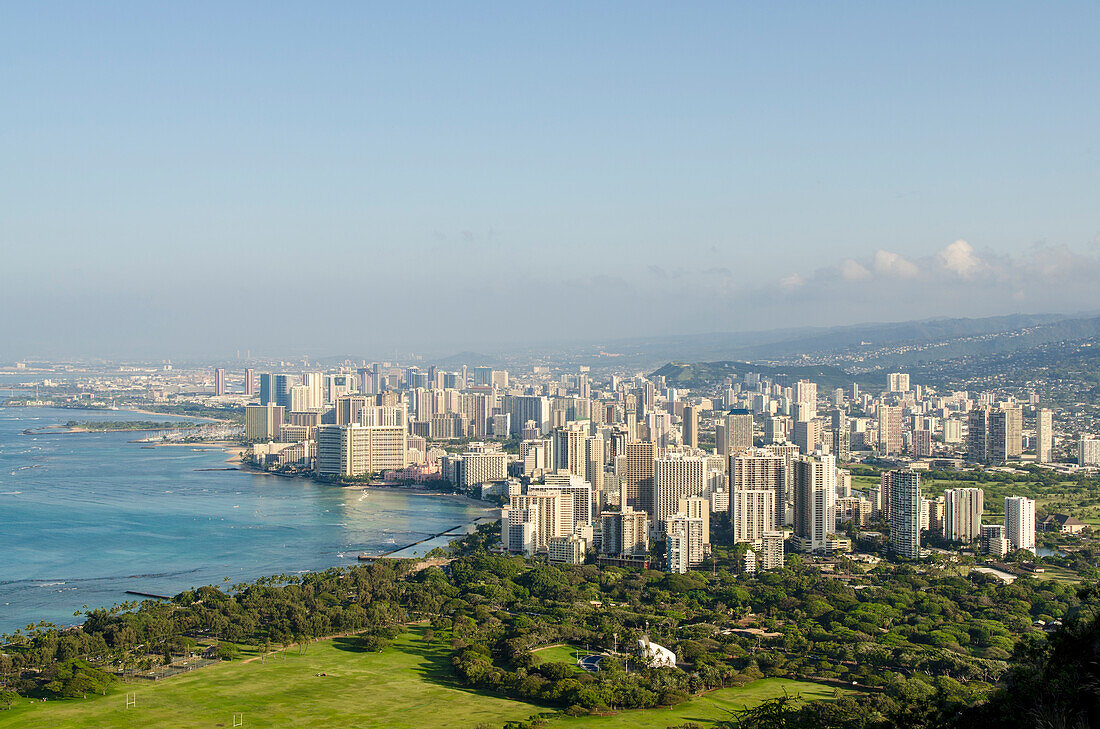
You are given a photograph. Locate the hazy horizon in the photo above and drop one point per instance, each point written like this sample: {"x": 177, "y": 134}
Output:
{"x": 189, "y": 181}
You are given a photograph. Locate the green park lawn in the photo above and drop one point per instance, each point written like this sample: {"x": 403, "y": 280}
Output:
{"x": 408, "y": 685}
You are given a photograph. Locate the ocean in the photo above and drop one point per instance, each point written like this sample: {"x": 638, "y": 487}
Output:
{"x": 85, "y": 517}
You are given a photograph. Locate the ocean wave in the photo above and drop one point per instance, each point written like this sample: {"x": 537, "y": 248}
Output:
{"x": 10, "y": 493}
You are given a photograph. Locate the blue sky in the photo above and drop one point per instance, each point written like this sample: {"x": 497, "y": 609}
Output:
{"x": 451, "y": 174}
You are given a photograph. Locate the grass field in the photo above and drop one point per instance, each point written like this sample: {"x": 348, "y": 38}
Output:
{"x": 559, "y": 654}
{"x": 407, "y": 686}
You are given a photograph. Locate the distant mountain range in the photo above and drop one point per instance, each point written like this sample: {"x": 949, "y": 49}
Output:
{"x": 701, "y": 374}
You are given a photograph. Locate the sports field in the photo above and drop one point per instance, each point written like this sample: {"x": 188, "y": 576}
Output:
{"x": 408, "y": 685}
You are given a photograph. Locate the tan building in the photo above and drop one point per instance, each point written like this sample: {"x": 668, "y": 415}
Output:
{"x": 262, "y": 422}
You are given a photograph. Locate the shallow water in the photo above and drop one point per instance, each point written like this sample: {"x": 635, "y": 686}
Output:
{"x": 85, "y": 517}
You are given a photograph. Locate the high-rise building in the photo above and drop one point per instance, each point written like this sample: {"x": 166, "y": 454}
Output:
{"x": 806, "y": 392}
{"x": 527, "y": 407}
{"x": 348, "y": 408}
{"x": 636, "y": 478}
{"x": 698, "y": 507}
{"x": 554, "y": 511}
{"x": 889, "y": 430}
{"x": 691, "y": 426}
{"x": 897, "y": 382}
{"x": 805, "y": 435}
{"x": 483, "y": 467}
{"x": 519, "y": 529}
{"x": 733, "y": 433}
{"x": 994, "y": 436}
{"x": 219, "y": 382}
{"x": 1020, "y": 522}
{"x": 1006, "y": 440}
{"x": 1088, "y": 451}
{"x": 624, "y": 532}
{"x": 905, "y": 514}
{"x": 752, "y": 513}
{"x": 683, "y": 543}
{"x": 842, "y": 436}
{"x": 575, "y": 486}
{"x": 281, "y": 390}
{"x": 962, "y": 514}
{"x": 769, "y": 551}
{"x": 994, "y": 541}
{"x": 359, "y": 450}
{"x": 1044, "y": 435}
{"x": 814, "y": 501}
{"x": 262, "y": 422}
{"x": 675, "y": 477}
{"x": 762, "y": 470}
{"x": 249, "y": 382}
{"x": 267, "y": 388}
{"x": 922, "y": 443}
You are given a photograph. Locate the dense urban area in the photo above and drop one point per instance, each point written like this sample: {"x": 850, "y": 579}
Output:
{"x": 924, "y": 551}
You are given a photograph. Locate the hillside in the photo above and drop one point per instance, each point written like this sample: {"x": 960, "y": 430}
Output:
{"x": 705, "y": 374}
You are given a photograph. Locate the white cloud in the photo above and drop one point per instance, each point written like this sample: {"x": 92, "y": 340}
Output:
{"x": 892, "y": 264}
{"x": 851, "y": 270}
{"x": 791, "y": 282}
{"x": 959, "y": 258}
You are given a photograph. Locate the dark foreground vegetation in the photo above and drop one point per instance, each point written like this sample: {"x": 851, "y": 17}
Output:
{"x": 925, "y": 646}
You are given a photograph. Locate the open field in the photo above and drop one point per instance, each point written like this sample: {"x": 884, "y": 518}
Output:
{"x": 407, "y": 686}
{"x": 559, "y": 654}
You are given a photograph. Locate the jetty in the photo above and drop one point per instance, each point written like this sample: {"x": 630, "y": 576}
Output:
{"x": 149, "y": 594}
{"x": 455, "y": 531}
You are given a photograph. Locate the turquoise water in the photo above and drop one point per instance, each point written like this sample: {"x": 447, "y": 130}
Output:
{"x": 85, "y": 517}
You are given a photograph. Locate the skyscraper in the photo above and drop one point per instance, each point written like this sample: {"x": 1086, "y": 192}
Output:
{"x": 734, "y": 432}
{"x": 814, "y": 501}
{"x": 842, "y": 436}
{"x": 1020, "y": 522}
{"x": 281, "y": 391}
{"x": 691, "y": 426}
{"x": 905, "y": 514}
{"x": 674, "y": 478}
{"x": 889, "y": 430}
{"x": 219, "y": 382}
{"x": 249, "y": 381}
{"x": 897, "y": 382}
{"x": 624, "y": 532}
{"x": 1044, "y": 435}
{"x": 962, "y": 514}
{"x": 994, "y": 436}
{"x": 683, "y": 543}
{"x": 752, "y": 513}
{"x": 636, "y": 478}
{"x": 761, "y": 469}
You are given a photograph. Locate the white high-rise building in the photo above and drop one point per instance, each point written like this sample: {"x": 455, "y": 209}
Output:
{"x": 889, "y": 430}
{"x": 962, "y": 514}
{"x": 752, "y": 513}
{"x": 733, "y": 433}
{"x": 697, "y": 507}
{"x": 675, "y": 477}
{"x": 1044, "y": 435}
{"x": 1088, "y": 451}
{"x": 577, "y": 487}
{"x": 761, "y": 469}
{"x": 1020, "y": 522}
{"x": 519, "y": 528}
{"x": 554, "y": 511}
{"x": 814, "y": 501}
{"x": 897, "y": 382}
{"x": 683, "y": 543}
